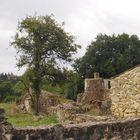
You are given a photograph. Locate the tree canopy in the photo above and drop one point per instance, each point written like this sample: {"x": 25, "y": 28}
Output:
{"x": 109, "y": 55}
{"x": 41, "y": 42}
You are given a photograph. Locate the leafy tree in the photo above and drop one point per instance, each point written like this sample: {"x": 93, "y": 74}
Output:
{"x": 6, "y": 92}
{"x": 109, "y": 55}
{"x": 5, "y": 89}
{"x": 71, "y": 85}
{"x": 19, "y": 88}
{"x": 41, "y": 42}
{"x": 63, "y": 82}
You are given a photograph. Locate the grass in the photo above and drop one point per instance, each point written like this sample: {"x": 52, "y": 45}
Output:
{"x": 18, "y": 119}
{"x": 24, "y": 120}
{"x": 94, "y": 111}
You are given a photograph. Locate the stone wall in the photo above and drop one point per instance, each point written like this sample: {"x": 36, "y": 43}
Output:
{"x": 125, "y": 93}
{"x": 66, "y": 112}
{"x": 5, "y": 127}
{"x": 47, "y": 100}
{"x": 113, "y": 130}
{"x": 98, "y": 130}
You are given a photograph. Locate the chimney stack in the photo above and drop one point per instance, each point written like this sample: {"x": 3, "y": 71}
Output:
{"x": 96, "y": 75}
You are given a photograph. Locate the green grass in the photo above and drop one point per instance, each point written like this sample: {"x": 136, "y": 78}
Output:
{"x": 23, "y": 120}
{"x": 18, "y": 119}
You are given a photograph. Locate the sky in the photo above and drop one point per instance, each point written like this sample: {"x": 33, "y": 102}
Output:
{"x": 84, "y": 19}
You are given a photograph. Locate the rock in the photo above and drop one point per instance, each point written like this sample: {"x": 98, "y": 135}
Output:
{"x": 66, "y": 112}
{"x": 5, "y": 127}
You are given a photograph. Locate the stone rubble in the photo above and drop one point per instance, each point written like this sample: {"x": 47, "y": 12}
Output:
{"x": 5, "y": 127}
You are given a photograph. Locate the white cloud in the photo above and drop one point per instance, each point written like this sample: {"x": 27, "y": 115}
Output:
{"x": 84, "y": 19}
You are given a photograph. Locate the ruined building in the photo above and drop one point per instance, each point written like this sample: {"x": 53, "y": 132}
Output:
{"x": 119, "y": 96}
{"x": 107, "y": 130}
{"x": 121, "y": 93}
{"x": 124, "y": 93}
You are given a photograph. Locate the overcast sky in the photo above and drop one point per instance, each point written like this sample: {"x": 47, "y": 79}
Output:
{"x": 84, "y": 19}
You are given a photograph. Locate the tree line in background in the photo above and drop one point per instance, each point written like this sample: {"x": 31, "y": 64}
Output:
{"x": 44, "y": 47}
{"x": 8, "y": 87}
{"x": 13, "y": 88}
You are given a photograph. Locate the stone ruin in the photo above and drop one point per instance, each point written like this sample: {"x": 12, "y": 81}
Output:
{"x": 120, "y": 95}
{"x": 96, "y": 96}
{"x": 95, "y": 130}
{"x": 47, "y": 100}
{"x": 5, "y": 127}
{"x": 96, "y": 93}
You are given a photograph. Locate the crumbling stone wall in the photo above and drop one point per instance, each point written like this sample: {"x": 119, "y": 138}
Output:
{"x": 5, "y": 127}
{"x": 125, "y": 93}
{"x": 114, "y": 130}
{"x": 47, "y": 100}
{"x": 94, "y": 90}
{"x": 96, "y": 93}
{"x": 66, "y": 112}
{"x": 107, "y": 130}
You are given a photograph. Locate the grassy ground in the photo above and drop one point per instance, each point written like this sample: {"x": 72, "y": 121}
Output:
{"x": 16, "y": 118}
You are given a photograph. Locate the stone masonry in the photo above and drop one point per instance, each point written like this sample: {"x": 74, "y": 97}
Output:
{"x": 107, "y": 130}
{"x": 125, "y": 93}
{"x": 5, "y": 127}
{"x": 113, "y": 130}
{"x": 96, "y": 92}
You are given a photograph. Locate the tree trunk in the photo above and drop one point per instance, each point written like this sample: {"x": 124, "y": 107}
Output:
{"x": 37, "y": 103}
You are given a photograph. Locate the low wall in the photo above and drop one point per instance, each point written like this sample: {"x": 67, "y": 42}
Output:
{"x": 115, "y": 130}
{"x": 107, "y": 130}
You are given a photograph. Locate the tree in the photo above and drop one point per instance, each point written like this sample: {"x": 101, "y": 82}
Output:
{"x": 41, "y": 42}
{"x": 61, "y": 81}
{"x": 109, "y": 55}
{"x": 5, "y": 90}
{"x": 3, "y": 77}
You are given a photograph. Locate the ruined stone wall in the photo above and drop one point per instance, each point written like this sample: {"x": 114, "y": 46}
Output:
{"x": 47, "y": 100}
{"x": 115, "y": 130}
{"x": 96, "y": 95}
{"x": 95, "y": 91}
{"x": 5, "y": 127}
{"x": 107, "y": 130}
{"x": 125, "y": 93}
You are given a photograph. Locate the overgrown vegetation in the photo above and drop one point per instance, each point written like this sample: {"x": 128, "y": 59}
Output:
{"x": 13, "y": 89}
{"x": 16, "y": 118}
{"x": 9, "y": 90}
